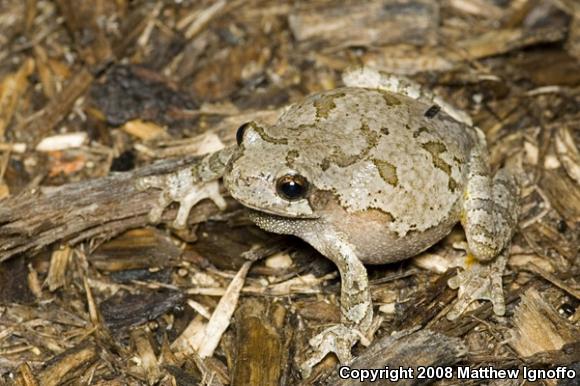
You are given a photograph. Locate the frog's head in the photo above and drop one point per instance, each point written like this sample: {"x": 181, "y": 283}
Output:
{"x": 262, "y": 176}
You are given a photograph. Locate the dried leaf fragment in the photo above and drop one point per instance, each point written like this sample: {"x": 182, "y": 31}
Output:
{"x": 12, "y": 88}
{"x": 568, "y": 153}
{"x": 144, "y": 130}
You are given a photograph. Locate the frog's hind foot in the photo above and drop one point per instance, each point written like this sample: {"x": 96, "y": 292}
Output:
{"x": 180, "y": 187}
{"x": 338, "y": 339}
{"x": 479, "y": 281}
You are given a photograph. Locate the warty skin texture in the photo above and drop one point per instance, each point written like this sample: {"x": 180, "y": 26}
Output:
{"x": 379, "y": 171}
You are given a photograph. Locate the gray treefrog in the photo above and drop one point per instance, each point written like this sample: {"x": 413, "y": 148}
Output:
{"x": 373, "y": 172}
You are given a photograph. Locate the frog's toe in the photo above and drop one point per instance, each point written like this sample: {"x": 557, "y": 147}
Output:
{"x": 213, "y": 193}
{"x": 144, "y": 183}
{"x": 156, "y": 212}
{"x": 338, "y": 339}
{"x": 479, "y": 281}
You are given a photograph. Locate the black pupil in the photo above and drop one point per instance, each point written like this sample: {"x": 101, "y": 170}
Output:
{"x": 240, "y": 133}
{"x": 292, "y": 187}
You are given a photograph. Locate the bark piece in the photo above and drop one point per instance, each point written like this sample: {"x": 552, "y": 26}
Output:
{"x": 539, "y": 328}
{"x": 67, "y": 365}
{"x": 101, "y": 207}
{"x": 367, "y": 23}
{"x": 421, "y": 348}
{"x": 14, "y": 284}
{"x": 136, "y": 249}
{"x": 260, "y": 343}
{"x": 125, "y": 310}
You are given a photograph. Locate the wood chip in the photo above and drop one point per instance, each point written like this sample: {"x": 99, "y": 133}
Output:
{"x": 259, "y": 342}
{"x": 538, "y": 327}
{"x": 67, "y": 365}
{"x": 58, "y": 268}
{"x": 220, "y": 319}
{"x": 62, "y": 142}
{"x": 147, "y": 359}
{"x": 369, "y": 24}
{"x": 12, "y": 87}
{"x": 568, "y": 153}
{"x": 144, "y": 130}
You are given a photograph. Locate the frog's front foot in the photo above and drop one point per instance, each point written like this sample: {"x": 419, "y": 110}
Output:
{"x": 181, "y": 187}
{"x": 479, "y": 281}
{"x": 338, "y": 339}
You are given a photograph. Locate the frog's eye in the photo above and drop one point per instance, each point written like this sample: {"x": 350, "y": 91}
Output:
{"x": 240, "y": 132}
{"x": 292, "y": 186}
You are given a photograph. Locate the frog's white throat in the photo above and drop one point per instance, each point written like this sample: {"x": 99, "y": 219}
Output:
{"x": 274, "y": 223}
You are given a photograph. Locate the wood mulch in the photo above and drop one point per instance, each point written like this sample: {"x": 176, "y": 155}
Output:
{"x": 97, "y": 93}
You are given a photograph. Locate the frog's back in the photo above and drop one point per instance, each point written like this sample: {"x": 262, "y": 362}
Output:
{"x": 375, "y": 150}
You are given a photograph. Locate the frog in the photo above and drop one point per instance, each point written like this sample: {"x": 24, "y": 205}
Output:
{"x": 372, "y": 172}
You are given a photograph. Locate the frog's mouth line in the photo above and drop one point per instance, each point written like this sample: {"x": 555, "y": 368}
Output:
{"x": 261, "y": 213}
{"x": 274, "y": 213}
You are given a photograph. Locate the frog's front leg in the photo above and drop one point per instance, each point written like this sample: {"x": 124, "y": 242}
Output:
{"x": 355, "y": 302}
{"x": 188, "y": 186}
{"x": 489, "y": 218}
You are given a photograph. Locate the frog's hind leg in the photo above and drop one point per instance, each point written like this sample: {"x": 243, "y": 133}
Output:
{"x": 490, "y": 209}
{"x": 489, "y": 219}
{"x": 368, "y": 77}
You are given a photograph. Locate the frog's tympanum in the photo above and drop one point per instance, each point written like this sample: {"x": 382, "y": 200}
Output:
{"x": 373, "y": 172}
